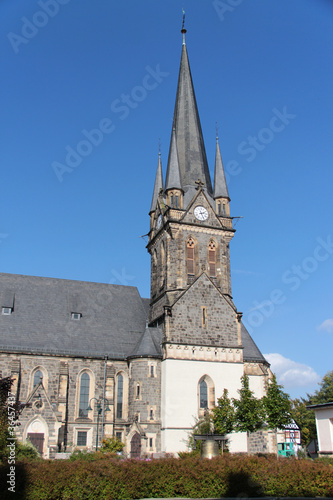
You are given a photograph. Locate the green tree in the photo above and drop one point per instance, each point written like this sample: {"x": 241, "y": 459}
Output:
{"x": 325, "y": 393}
{"x": 203, "y": 425}
{"x": 277, "y": 406}
{"x": 224, "y": 415}
{"x": 305, "y": 419}
{"x": 249, "y": 413}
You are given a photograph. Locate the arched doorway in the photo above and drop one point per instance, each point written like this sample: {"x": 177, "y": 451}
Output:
{"x": 37, "y": 433}
{"x": 136, "y": 446}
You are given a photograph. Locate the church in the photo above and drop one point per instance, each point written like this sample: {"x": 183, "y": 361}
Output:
{"x": 93, "y": 360}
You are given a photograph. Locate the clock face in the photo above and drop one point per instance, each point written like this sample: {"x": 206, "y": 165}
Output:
{"x": 201, "y": 213}
{"x": 159, "y": 221}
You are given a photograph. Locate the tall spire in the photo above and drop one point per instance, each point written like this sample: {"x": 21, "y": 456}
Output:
{"x": 172, "y": 180}
{"x": 158, "y": 183}
{"x": 186, "y": 122}
{"x": 220, "y": 184}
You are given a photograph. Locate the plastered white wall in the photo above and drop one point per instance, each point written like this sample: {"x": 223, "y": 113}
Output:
{"x": 324, "y": 422}
{"x": 180, "y": 397}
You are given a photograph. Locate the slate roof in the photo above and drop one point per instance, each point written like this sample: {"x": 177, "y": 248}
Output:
{"x": 220, "y": 184}
{"x": 113, "y": 317}
{"x": 251, "y": 351}
{"x": 186, "y": 122}
{"x": 149, "y": 344}
{"x": 172, "y": 180}
{"x": 158, "y": 184}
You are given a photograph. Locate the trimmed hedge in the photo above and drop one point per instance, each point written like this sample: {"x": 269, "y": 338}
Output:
{"x": 226, "y": 476}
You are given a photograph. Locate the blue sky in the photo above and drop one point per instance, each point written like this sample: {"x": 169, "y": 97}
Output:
{"x": 261, "y": 70}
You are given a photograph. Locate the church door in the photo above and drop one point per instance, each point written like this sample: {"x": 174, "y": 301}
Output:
{"x": 37, "y": 439}
{"x": 136, "y": 446}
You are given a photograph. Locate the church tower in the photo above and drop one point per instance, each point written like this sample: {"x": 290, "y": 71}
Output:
{"x": 190, "y": 232}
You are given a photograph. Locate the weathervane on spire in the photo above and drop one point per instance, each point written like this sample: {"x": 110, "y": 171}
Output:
{"x": 183, "y": 30}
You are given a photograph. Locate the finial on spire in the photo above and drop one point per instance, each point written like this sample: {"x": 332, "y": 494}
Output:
{"x": 159, "y": 146}
{"x": 217, "y": 131}
{"x": 183, "y": 30}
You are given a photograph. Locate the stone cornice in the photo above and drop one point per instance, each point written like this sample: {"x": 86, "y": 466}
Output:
{"x": 227, "y": 354}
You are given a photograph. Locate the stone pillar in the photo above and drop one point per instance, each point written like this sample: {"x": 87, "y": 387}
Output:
{"x": 63, "y": 390}
{"x": 109, "y": 395}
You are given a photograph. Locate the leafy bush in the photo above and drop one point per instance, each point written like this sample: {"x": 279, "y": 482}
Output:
{"x": 191, "y": 477}
{"x": 26, "y": 450}
{"x": 325, "y": 460}
{"x": 193, "y": 453}
{"x": 112, "y": 445}
{"x": 91, "y": 456}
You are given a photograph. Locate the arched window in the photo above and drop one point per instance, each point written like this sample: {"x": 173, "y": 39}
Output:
{"x": 203, "y": 394}
{"x": 190, "y": 257}
{"x": 84, "y": 395}
{"x": 206, "y": 394}
{"x": 212, "y": 259}
{"x": 120, "y": 396}
{"x": 38, "y": 377}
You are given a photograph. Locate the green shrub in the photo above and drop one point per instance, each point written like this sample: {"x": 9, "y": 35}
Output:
{"x": 225, "y": 476}
{"x": 186, "y": 454}
{"x": 26, "y": 450}
{"x": 112, "y": 445}
{"x": 325, "y": 460}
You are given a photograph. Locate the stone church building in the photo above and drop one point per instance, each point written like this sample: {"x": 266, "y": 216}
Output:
{"x": 92, "y": 359}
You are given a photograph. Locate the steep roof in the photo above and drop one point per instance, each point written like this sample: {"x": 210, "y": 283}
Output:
{"x": 172, "y": 180}
{"x": 186, "y": 122}
{"x": 158, "y": 184}
{"x": 112, "y": 322}
{"x": 251, "y": 351}
{"x": 220, "y": 184}
{"x": 149, "y": 344}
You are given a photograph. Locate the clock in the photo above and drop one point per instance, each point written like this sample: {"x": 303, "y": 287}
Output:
{"x": 159, "y": 221}
{"x": 200, "y": 213}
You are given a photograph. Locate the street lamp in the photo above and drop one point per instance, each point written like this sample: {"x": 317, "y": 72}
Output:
{"x": 100, "y": 403}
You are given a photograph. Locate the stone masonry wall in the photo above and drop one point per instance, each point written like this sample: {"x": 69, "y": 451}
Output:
{"x": 186, "y": 324}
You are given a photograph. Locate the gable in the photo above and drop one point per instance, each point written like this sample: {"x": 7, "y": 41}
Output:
{"x": 190, "y": 324}
{"x": 200, "y": 200}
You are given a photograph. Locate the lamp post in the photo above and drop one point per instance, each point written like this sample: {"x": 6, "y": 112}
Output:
{"x": 100, "y": 403}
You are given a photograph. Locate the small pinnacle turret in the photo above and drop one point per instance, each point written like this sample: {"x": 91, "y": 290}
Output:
{"x": 172, "y": 180}
{"x": 158, "y": 184}
{"x": 220, "y": 184}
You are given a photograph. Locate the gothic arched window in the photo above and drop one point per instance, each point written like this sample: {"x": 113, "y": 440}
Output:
{"x": 84, "y": 395}
{"x": 190, "y": 257}
{"x": 212, "y": 259}
{"x": 38, "y": 377}
{"x": 120, "y": 396}
{"x": 203, "y": 394}
{"x": 206, "y": 394}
